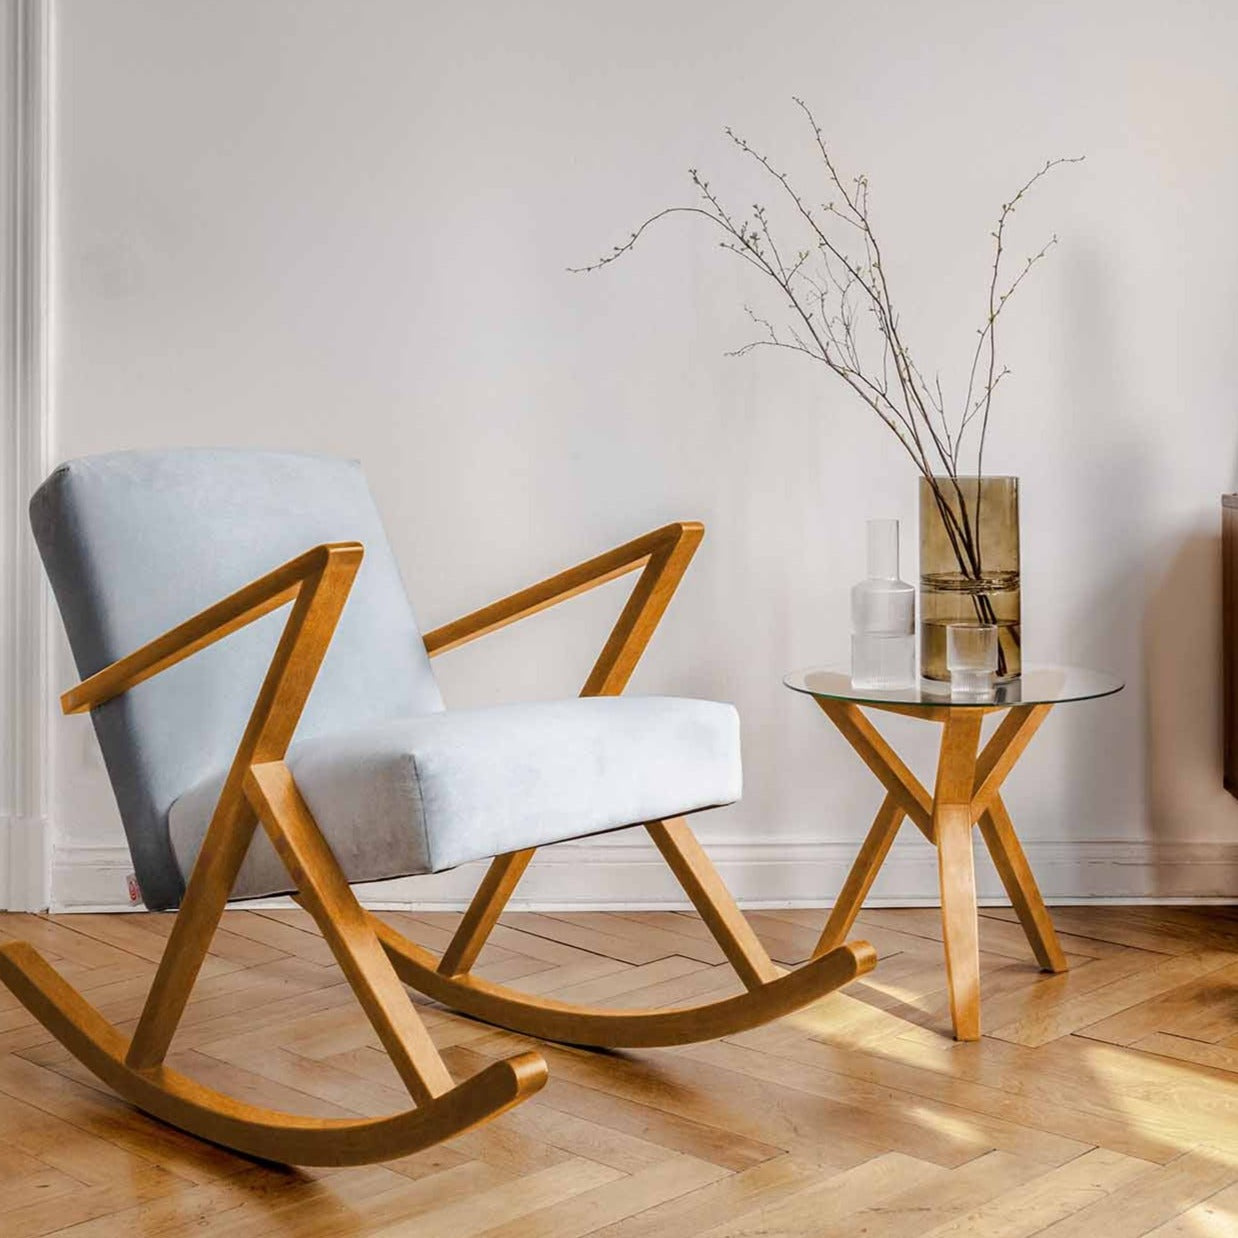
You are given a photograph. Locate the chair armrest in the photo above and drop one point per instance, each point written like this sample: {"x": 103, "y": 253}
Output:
{"x": 234, "y": 612}
{"x": 664, "y": 554}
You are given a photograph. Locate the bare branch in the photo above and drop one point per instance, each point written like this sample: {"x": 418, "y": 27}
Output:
{"x": 837, "y": 310}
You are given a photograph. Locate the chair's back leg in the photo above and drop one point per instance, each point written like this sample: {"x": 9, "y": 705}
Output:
{"x": 327, "y": 896}
{"x": 484, "y": 911}
{"x": 687, "y": 860}
{"x": 709, "y": 895}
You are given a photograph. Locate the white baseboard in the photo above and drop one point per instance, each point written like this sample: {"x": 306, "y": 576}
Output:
{"x": 617, "y": 875}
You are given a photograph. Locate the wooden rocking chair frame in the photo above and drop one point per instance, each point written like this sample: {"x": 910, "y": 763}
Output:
{"x": 373, "y": 956}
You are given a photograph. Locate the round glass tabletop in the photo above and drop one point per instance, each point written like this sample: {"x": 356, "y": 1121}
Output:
{"x": 1038, "y": 685}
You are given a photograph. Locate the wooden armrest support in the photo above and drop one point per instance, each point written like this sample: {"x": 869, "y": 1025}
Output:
{"x": 664, "y": 554}
{"x": 256, "y": 599}
{"x": 571, "y": 583}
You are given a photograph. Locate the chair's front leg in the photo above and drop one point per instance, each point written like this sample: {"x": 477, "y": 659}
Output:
{"x": 952, "y": 826}
{"x": 328, "y": 897}
{"x": 289, "y": 678}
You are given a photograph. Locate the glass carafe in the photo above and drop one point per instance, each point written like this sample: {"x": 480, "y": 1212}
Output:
{"x": 883, "y": 617}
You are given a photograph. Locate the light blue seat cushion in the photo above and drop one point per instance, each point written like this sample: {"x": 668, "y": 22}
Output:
{"x": 423, "y": 794}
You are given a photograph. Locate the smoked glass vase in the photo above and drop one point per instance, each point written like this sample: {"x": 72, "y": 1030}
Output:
{"x": 969, "y": 567}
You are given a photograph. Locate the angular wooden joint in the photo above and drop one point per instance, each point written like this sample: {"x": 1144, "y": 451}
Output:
{"x": 663, "y": 553}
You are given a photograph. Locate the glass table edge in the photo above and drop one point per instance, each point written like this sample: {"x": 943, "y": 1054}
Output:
{"x": 901, "y": 698}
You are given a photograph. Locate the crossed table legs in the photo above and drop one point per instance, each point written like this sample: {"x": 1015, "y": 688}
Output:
{"x": 967, "y": 792}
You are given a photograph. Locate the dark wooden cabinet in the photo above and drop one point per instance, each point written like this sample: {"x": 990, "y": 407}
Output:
{"x": 1229, "y": 637}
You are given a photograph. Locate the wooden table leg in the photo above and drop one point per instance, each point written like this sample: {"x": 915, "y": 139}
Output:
{"x": 1021, "y": 887}
{"x": 967, "y": 791}
{"x": 862, "y": 875}
{"x": 952, "y": 826}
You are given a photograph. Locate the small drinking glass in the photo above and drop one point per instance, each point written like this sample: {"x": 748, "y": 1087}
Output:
{"x": 971, "y": 658}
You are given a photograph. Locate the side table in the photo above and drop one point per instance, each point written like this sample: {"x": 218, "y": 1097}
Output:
{"x": 967, "y": 792}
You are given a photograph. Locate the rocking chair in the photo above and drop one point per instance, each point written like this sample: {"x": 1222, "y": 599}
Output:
{"x": 381, "y": 781}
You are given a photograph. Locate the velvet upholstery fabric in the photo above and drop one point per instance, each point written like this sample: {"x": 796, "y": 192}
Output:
{"x": 426, "y": 793}
{"x": 136, "y": 542}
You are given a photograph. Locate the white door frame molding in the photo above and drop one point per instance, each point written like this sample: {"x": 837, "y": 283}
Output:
{"x": 24, "y": 741}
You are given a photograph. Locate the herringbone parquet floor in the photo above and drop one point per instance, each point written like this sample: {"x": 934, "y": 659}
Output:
{"x": 1101, "y": 1103}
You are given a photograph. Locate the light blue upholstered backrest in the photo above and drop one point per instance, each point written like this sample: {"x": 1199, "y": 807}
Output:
{"x": 136, "y": 542}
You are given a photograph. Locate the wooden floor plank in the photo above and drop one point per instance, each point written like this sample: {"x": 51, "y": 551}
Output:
{"x": 911, "y": 1212}
{"x": 1220, "y": 1058}
{"x": 1103, "y": 1100}
{"x": 612, "y": 1201}
{"x": 1155, "y": 1197}
{"x": 830, "y": 1201}
{"x": 1145, "y": 985}
{"x": 1214, "y": 1217}
{"x": 735, "y": 1195}
{"x": 486, "y": 1210}
{"x": 1033, "y": 1206}
{"x": 650, "y": 934}
{"x": 942, "y": 1134}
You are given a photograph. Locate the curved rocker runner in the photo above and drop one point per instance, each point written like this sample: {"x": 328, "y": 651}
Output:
{"x": 631, "y": 1029}
{"x": 386, "y": 783}
{"x": 264, "y": 1133}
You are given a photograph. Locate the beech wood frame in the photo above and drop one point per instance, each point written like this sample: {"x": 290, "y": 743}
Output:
{"x": 664, "y": 556}
{"x": 258, "y": 787}
{"x": 967, "y": 792}
{"x": 373, "y": 956}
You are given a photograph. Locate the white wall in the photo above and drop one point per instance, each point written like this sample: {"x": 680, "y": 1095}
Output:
{"x": 24, "y": 829}
{"x": 344, "y": 227}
